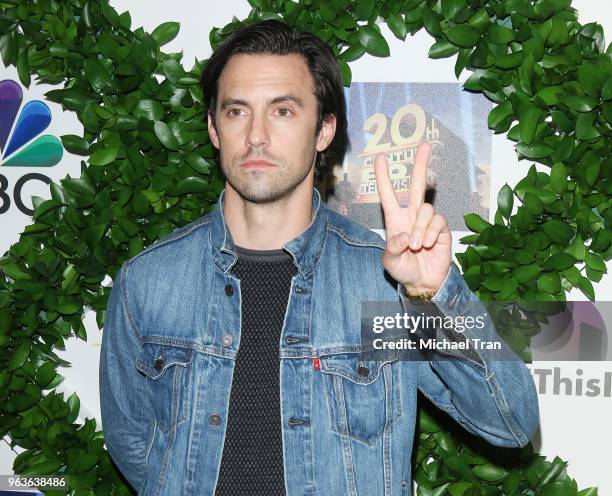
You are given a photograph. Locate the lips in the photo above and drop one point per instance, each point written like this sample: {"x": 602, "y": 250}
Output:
{"x": 257, "y": 164}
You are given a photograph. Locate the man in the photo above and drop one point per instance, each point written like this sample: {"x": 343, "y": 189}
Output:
{"x": 261, "y": 299}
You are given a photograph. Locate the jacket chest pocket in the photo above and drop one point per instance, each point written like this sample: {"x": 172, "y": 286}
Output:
{"x": 167, "y": 370}
{"x": 362, "y": 395}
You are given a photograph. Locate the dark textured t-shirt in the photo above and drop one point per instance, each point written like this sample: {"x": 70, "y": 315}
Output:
{"x": 252, "y": 460}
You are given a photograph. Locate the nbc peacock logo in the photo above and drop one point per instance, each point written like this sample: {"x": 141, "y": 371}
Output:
{"x": 19, "y": 144}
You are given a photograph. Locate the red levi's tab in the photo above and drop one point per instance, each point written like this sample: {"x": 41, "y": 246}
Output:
{"x": 316, "y": 364}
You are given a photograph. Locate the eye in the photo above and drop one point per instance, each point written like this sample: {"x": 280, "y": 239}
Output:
{"x": 284, "y": 112}
{"x": 234, "y": 112}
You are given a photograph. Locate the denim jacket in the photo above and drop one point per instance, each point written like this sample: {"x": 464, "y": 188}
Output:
{"x": 172, "y": 332}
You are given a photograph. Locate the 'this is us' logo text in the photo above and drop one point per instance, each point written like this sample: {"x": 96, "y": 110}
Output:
{"x": 553, "y": 381}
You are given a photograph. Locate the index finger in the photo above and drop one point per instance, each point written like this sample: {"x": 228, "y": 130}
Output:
{"x": 418, "y": 179}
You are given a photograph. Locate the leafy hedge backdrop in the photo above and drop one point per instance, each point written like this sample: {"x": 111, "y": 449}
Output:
{"x": 148, "y": 167}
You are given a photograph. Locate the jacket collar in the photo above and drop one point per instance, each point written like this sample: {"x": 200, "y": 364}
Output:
{"x": 306, "y": 248}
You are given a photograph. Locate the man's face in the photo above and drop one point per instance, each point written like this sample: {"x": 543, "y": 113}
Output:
{"x": 266, "y": 119}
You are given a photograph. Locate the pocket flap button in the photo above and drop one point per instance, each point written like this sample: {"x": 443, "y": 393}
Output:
{"x": 363, "y": 371}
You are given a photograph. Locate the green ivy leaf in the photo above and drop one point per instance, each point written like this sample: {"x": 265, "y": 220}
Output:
{"x": 559, "y": 262}
{"x": 364, "y": 9}
{"x": 475, "y": 223}
{"x": 460, "y": 488}
{"x": 96, "y": 75}
{"x": 512, "y": 483}
{"x": 577, "y": 248}
{"x": 592, "y": 173}
{"x": 550, "y": 95}
{"x": 595, "y": 262}
{"x": 75, "y": 144}
{"x": 499, "y": 35}
{"x": 165, "y": 32}
{"x": 558, "y": 178}
{"x": 83, "y": 481}
{"x": 586, "y": 287}
{"x": 529, "y": 121}
{"x": 489, "y": 472}
{"x": 501, "y": 114}
{"x": 505, "y": 200}
{"x": 45, "y": 374}
{"x": 68, "y": 307}
{"x": 197, "y": 163}
{"x": 327, "y": 13}
{"x": 165, "y": 136}
{"x": 81, "y": 187}
{"x": 559, "y": 231}
{"x": 526, "y": 273}
{"x": 397, "y": 25}
{"x": 15, "y": 273}
{"x": 426, "y": 17}
{"x": 191, "y": 185}
{"x": 427, "y": 423}
{"x": 373, "y": 41}
{"x": 450, "y": 8}
{"x": 549, "y": 282}
{"x": 509, "y": 288}
{"x": 601, "y": 240}
{"x": 19, "y": 357}
{"x": 345, "y": 71}
{"x": 463, "y": 35}
{"x": 149, "y": 109}
{"x": 104, "y": 156}
{"x": 536, "y": 150}
{"x": 352, "y": 53}
{"x": 23, "y": 67}
{"x": 580, "y": 103}
{"x": 442, "y": 49}
{"x": 526, "y": 73}
{"x": 585, "y": 129}
{"x": 510, "y": 61}
{"x": 46, "y": 207}
{"x": 74, "y": 404}
{"x": 495, "y": 282}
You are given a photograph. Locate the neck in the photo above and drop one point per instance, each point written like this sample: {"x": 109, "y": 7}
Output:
{"x": 268, "y": 226}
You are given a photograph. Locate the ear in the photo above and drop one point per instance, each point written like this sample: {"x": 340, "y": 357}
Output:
{"x": 212, "y": 132}
{"x": 327, "y": 132}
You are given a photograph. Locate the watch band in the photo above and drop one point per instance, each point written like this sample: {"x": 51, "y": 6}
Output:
{"x": 423, "y": 297}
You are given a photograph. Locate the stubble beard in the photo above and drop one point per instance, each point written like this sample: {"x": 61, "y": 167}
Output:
{"x": 266, "y": 186}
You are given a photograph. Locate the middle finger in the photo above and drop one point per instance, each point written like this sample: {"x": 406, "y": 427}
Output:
{"x": 418, "y": 179}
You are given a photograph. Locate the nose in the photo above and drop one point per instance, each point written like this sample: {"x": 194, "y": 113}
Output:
{"x": 257, "y": 133}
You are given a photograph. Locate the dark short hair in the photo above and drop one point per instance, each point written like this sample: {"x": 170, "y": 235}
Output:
{"x": 273, "y": 37}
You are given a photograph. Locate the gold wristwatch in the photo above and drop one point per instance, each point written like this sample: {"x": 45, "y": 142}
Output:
{"x": 423, "y": 297}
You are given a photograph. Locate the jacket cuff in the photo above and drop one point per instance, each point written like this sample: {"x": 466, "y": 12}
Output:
{"x": 454, "y": 298}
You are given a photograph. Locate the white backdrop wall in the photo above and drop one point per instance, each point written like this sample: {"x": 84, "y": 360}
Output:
{"x": 577, "y": 428}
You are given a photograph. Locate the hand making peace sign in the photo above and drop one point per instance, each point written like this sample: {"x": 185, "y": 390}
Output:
{"x": 419, "y": 243}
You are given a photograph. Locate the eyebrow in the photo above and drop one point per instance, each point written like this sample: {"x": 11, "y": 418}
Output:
{"x": 282, "y": 98}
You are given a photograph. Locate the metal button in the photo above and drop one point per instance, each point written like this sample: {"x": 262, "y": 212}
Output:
{"x": 159, "y": 364}
{"x": 229, "y": 289}
{"x": 291, "y": 340}
{"x": 299, "y": 289}
{"x": 363, "y": 371}
{"x": 227, "y": 340}
{"x": 214, "y": 419}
